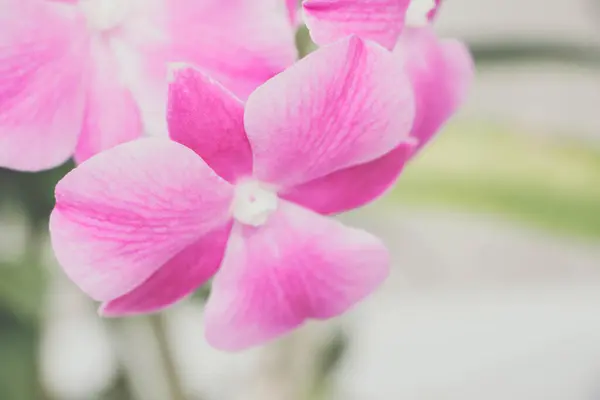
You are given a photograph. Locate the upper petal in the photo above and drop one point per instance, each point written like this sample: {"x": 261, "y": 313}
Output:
{"x": 378, "y": 20}
{"x": 441, "y": 72}
{"x": 208, "y": 119}
{"x": 43, "y": 57}
{"x": 343, "y": 105}
{"x": 124, "y": 213}
{"x": 111, "y": 116}
{"x": 298, "y": 266}
{"x": 352, "y": 187}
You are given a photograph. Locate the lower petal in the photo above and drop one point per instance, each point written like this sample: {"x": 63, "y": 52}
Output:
{"x": 352, "y": 187}
{"x": 43, "y": 56}
{"x": 298, "y": 266}
{"x": 179, "y": 277}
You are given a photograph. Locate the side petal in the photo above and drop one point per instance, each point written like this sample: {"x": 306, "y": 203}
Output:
{"x": 177, "y": 278}
{"x": 343, "y": 105}
{"x": 352, "y": 187}
{"x": 378, "y": 20}
{"x": 441, "y": 72}
{"x": 298, "y": 266}
{"x": 43, "y": 56}
{"x": 208, "y": 119}
{"x": 124, "y": 213}
{"x": 111, "y": 116}
{"x": 240, "y": 43}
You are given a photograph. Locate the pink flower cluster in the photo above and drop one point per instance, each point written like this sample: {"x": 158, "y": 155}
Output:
{"x": 240, "y": 153}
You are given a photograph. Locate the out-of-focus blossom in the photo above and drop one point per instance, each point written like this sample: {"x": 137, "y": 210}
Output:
{"x": 240, "y": 190}
{"x": 441, "y": 70}
{"x": 80, "y": 76}
{"x": 379, "y": 20}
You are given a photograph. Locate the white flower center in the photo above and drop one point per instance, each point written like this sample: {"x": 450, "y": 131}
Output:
{"x": 418, "y": 10}
{"x": 253, "y": 203}
{"x": 105, "y": 15}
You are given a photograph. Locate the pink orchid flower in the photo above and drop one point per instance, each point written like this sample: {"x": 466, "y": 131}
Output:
{"x": 241, "y": 192}
{"x": 441, "y": 71}
{"x": 80, "y": 76}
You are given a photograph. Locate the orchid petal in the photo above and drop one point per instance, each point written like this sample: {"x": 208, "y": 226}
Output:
{"x": 378, "y": 20}
{"x": 352, "y": 187}
{"x": 240, "y": 43}
{"x": 42, "y": 83}
{"x": 343, "y": 105}
{"x": 433, "y": 13}
{"x": 441, "y": 72}
{"x": 124, "y": 213}
{"x": 292, "y": 7}
{"x": 112, "y": 116}
{"x": 208, "y": 119}
{"x": 177, "y": 278}
{"x": 298, "y": 266}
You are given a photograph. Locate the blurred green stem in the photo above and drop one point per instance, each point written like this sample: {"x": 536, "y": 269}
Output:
{"x": 33, "y": 264}
{"x": 168, "y": 364}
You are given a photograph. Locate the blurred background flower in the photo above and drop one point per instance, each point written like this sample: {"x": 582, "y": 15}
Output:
{"x": 494, "y": 229}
